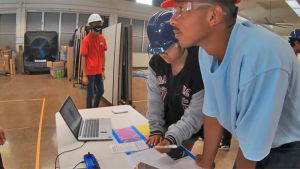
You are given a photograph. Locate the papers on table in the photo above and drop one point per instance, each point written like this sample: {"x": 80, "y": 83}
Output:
{"x": 187, "y": 162}
{"x": 151, "y": 157}
{"x": 162, "y": 161}
{"x": 126, "y": 147}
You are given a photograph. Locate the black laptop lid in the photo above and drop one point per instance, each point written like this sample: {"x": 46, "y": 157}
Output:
{"x": 70, "y": 114}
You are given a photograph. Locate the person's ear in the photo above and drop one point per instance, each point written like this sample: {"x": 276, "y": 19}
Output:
{"x": 216, "y": 14}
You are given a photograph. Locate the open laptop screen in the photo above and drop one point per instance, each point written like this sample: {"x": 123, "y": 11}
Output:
{"x": 71, "y": 116}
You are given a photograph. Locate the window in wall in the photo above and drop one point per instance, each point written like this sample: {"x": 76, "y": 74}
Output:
{"x": 124, "y": 21}
{"x": 51, "y": 21}
{"x": 146, "y": 40}
{"x": 83, "y": 19}
{"x": 146, "y": 44}
{"x": 8, "y": 30}
{"x": 138, "y": 26}
{"x": 34, "y": 21}
{"x": 68, "y": 26}
{"x": 140, "y": 39}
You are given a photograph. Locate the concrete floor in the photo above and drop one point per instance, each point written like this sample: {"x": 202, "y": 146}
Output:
{"x": 24, "y": 98}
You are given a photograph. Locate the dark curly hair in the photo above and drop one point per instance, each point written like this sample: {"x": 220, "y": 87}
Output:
{"x": 293, "y": 40}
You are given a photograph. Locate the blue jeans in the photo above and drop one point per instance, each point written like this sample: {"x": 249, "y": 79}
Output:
{"x": 286, "y": 156}
{"x": 1, "y": 163}
{"x": 94, "y": 80}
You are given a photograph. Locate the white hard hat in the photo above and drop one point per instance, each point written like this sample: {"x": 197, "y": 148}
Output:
{"x": 95, "y": 18}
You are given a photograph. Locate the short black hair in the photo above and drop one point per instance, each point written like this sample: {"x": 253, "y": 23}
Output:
{"x": 293, "y": 40}
{"x": 230, "y": 4}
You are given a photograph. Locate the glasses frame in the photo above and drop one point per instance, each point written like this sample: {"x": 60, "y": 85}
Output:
{"x": 191, "y": 6}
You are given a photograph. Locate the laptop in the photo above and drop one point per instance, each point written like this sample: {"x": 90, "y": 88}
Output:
{"x": 85, "y": 129}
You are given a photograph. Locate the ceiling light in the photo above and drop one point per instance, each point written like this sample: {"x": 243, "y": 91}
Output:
{"x": 294, "y": 5}
{"x": 297, "y": 11}
{"x": 242, "y": 18}
{"x": 148, "y": 2}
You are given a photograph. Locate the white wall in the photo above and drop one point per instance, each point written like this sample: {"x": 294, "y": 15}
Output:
{"x": 140, "y": 60}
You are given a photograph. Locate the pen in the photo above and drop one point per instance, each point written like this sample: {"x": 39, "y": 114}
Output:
{"x": 169, "y": 146}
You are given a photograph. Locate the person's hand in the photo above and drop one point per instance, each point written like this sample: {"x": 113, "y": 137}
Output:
{"x": 85, "y": 80}
{"x": 2, "y": 136}
{"x": 154, "y": 140}
{"x": 165, "y": 142}
{"x": 201, "y": 163}
{"x": 103, "y": 76}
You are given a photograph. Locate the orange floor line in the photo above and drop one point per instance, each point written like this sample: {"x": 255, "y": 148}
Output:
{"x": 6, "y": 101}
{"x": 37, "y": 160}
{"x": 139, "y": 101}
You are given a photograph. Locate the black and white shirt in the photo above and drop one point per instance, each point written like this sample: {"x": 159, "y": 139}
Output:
{"x": 175, "y": 102}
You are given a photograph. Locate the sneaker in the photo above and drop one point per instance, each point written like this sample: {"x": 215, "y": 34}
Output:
{"x": 224, "y": 147}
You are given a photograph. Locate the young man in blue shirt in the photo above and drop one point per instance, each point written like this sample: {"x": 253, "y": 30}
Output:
{"x": 251, "y": 78}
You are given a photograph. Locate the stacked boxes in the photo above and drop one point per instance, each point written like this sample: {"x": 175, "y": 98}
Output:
{"x": 56, "y": 66}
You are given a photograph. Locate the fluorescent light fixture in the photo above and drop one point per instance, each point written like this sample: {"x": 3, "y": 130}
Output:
{"x": 148, "y": 2}
{"x": 297, "y": 11}
{"x": 294, "y": 5}
{"x": 242, "y": 18}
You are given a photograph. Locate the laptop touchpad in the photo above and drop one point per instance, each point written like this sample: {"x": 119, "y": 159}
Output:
{"x": 104, "y": 128}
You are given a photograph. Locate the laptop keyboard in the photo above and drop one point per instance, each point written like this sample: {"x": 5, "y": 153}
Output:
{"x": 91, "y": 129}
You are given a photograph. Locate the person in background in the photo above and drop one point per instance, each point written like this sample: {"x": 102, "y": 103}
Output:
{"x": 2, "y": 141}
{"x": 251, "y": 79}
{"x": 295, "y": 40}
{"x": 226, "y": 140}
{"x": 175, "y": 87}
{"x": 93, "y": 49}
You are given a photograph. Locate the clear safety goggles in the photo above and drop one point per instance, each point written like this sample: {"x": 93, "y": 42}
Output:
{"x": 188, "y": 6}
{"x": 97, "y": 23}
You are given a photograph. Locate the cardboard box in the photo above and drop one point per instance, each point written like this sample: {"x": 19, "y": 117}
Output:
{"x": 63, "y": 52}
{"x": 49, "y": 64}
{"x": 6, "y": 53}
{"x": 4, "y": 63}
{"x": 12, "y": 66}
{"x": 53, "y": 72}
{"x": 4, "y": 48}
{"x": 70, "y": 62}
{"x": 55, "y": 64}
{"x": 58, "y": 64}
{"x": 20, "y": 62}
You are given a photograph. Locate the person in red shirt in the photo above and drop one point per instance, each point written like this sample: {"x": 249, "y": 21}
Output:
{"x": 2, "y": 141}
{"x": 93, "y": 49}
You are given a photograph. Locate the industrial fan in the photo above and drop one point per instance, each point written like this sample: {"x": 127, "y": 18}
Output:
{"x": 40, "y": 47}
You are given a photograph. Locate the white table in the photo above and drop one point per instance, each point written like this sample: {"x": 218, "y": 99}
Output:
{"x": 100, "y": 149}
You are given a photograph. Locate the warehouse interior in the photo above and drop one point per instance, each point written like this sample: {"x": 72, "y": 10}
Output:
{"x": 33, "y": 88}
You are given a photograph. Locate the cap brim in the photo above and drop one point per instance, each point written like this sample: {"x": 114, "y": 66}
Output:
{"x": 168, "y": 4}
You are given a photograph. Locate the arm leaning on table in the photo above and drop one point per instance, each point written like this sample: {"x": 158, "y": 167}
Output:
{"x": 155, "y": 112}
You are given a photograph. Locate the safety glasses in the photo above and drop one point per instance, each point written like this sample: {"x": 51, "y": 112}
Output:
{"x": 97, "y": 23}
{"x": 188, "y": 6}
